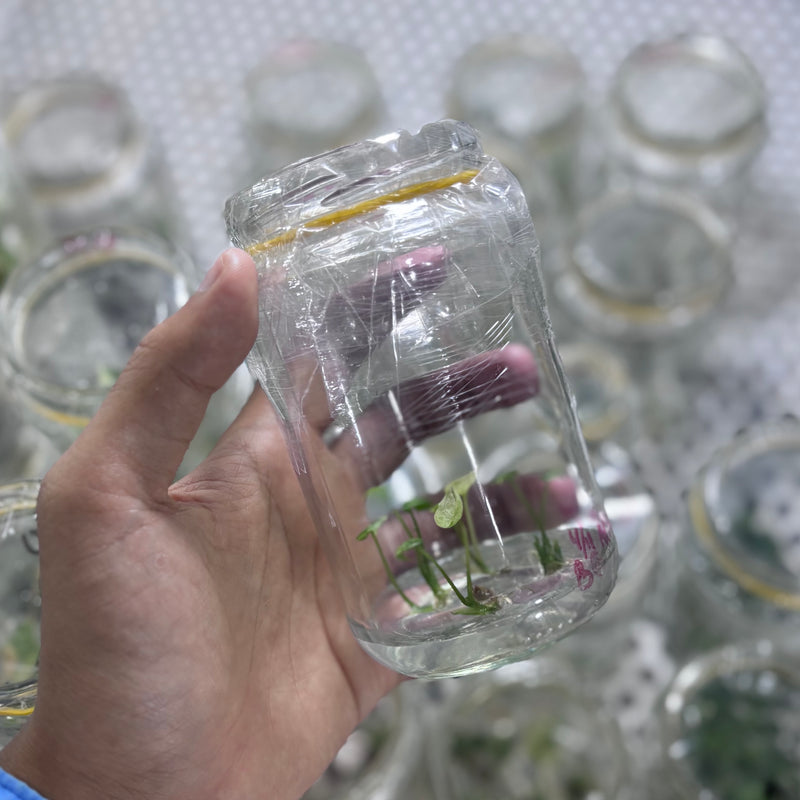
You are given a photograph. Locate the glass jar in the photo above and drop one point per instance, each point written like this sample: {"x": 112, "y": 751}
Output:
{"x": 72, "y": 318}
{"x": 379, "y": 758}
{"x": 739, "y": 554}
{"x": 20, "y": 606}
{"x": 730, "y": 726}
{"x": 25, "y": 452}
{"x": 88, "y": 158}
{"x": 401, "y": 300}
{"x": 646, "y": 270}
{"x": 22, "y": 232}
{"x": 526, "y": 731}
{"x": 308, "y": 96}
{"x": 525, "y": 94}
{"x": 689, "y": 111}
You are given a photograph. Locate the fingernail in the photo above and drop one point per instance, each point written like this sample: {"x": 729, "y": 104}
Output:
{"x": 211, "y": 276}
{"x": 223, "y": 260}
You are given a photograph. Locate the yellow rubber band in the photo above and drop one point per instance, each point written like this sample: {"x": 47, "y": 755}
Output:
{"x": 326, "y": 220}
{"x": 16, "y": 712}
{"x": 62, "y": 417}
{"x": 644, "y": 314}
{"x": 759, "y": 588}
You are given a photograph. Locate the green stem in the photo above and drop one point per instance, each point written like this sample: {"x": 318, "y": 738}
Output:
{"x": 549, "y": 553}
{"x": 441, "y": 569}
{"x": 475, "y": 606}
{"x": 392, "y": 578}
{"x": 423, "y": 565}
{"x": 473, "y": 538}
{"x": 464, "y": 536}
{"x": 536, "y": 518}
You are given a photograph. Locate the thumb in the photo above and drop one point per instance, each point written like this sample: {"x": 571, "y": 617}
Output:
{"x": 144, "y": 426}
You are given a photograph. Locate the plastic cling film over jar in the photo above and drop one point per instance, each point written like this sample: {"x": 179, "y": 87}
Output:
{"x": 403, "y": 317}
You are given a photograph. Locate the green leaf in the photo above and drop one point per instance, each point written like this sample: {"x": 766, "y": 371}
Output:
{"x": 370, "y": 529}
{"x": 461, "y": 485}
{"x": 107, "y": 376}
{"x": 417, "y": 504}
{"x": 25, "y": 643}
{"x": 505, "y": 477}
{"x": 409, "y": 544}
{"x": 449, "y": 509}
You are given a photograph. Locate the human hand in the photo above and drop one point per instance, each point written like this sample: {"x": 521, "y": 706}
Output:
{"x": 194, "y": 644}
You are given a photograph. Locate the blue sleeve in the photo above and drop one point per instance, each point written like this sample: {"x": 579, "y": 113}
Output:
{"x": 12, "y": 789}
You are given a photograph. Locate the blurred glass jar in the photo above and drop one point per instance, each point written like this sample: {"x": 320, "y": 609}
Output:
{"x": 88, "y": 159}
{"x": 20, "y": 606}
{"x": 526, "y": 731}
{"x": 379, "y": 759}
{"x": 525, "y": 94}
{"x": 309, "y": 96}
{"x": 72, "y": 318}
{"x": 689, "y": 111}
{"x": 730, "y": 726}
{"x": 646, "y": 270}
{"x": 400, "y": 300}
{"x": 25, "y": 452}
{"x": 739, "y": 555}
{"x": 22, "y": 231}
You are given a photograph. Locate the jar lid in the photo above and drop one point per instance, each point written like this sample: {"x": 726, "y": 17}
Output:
{"x": 319, "y": 90}
{"x": 74, "y": 316}
{"x": 20, "y": 603}
{"x": 517, "y": 87}
{"x": 744, "y": 510}
{"x": 692, "y": 103}
{"x": 77, "y": 141}
{"x": 646, "y": 263}
{"x": 730, "y": 724}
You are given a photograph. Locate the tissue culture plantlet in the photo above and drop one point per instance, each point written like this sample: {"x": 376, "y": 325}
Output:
{"x": 452, "y": 512}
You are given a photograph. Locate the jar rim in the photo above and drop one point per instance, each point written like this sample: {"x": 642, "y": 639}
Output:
{"x": 764, "y": 580}
{"x": 664, "y": 151}
{"x": 73, "y": 406}
{"x": 303, "y": 52}
{"x": 660, "y": 313}
{"x": 17, "y": 699}
{"x": 744, "y": 656}
{"x": 540, "y": 52}
{"x": 71, "y": 91}
{"x": 349, "y": 179}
